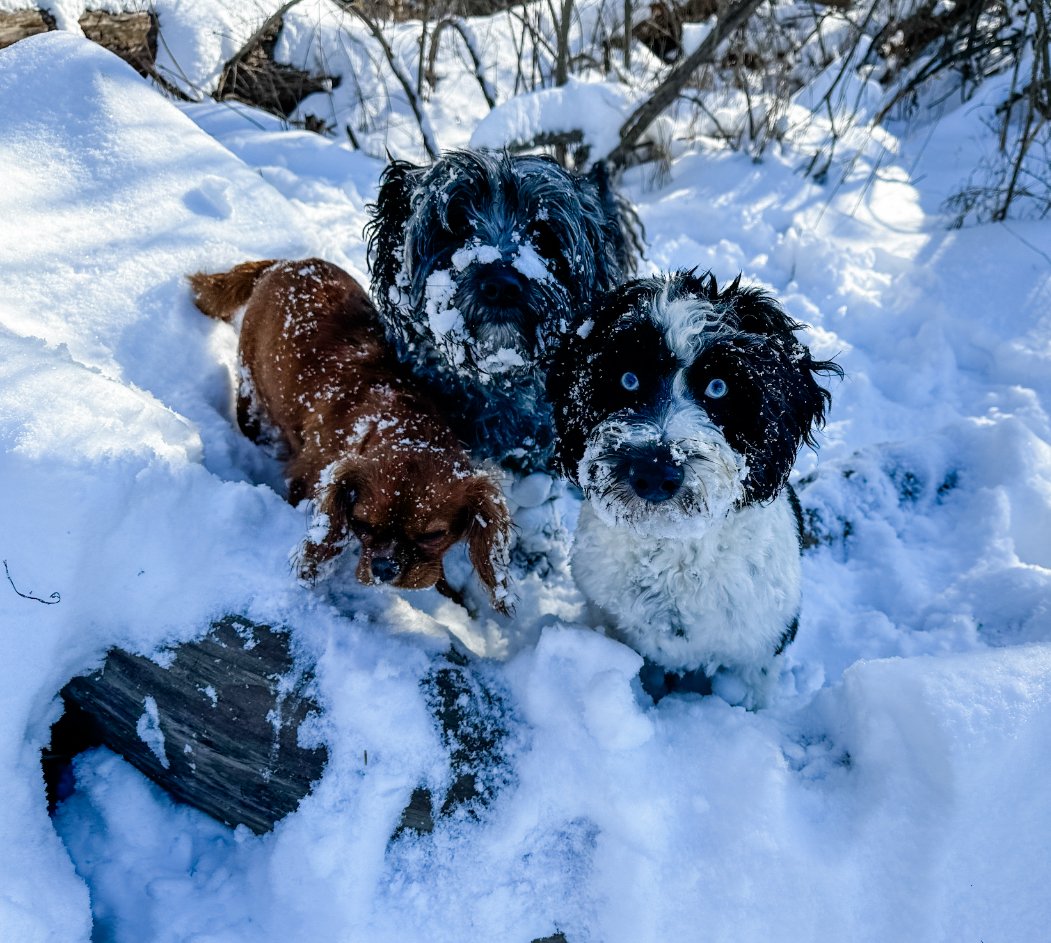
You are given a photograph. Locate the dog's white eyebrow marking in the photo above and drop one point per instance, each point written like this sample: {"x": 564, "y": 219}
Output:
{"x": 687, "y": 322}
{"x": 475, "y": 252}
{"x": 531, "y": 264}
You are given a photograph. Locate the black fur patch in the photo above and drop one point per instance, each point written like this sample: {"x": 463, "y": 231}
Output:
{"x": 772, "y": 403}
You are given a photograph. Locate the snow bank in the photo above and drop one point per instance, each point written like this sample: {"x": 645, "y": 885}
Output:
{"x": 127, "y": 488}
{"x": 595, "y": 109}
{"x": 892, "y": 791}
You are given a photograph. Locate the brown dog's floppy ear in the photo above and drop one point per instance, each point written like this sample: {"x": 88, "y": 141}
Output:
{"x": 329, "y": 531}
{"x": 489, "y": 537}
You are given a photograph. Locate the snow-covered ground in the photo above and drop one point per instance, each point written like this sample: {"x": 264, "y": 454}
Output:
{"x": 895, "y": 789}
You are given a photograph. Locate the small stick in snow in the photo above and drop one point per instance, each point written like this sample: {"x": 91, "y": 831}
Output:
{"x": 51, "y": 600}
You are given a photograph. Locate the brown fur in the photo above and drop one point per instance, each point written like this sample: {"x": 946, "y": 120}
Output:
{"x": 319, "y": 382}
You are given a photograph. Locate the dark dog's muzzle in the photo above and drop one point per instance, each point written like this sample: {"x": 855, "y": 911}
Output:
{"x": 653, "y": 474}
{"x": 385, "y": 569}
{"x": 501, "y": 286}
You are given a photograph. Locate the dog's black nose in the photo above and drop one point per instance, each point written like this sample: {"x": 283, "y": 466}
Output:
{"x": 655, "y": 476}
{"x": 500, "y": 285}
{"x": 385, "y": 569}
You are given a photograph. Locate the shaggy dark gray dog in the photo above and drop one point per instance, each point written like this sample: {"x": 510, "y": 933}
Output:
{"x": 479, "y": 263}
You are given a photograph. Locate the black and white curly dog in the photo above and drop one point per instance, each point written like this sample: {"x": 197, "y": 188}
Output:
{"x": 680, "y": 410}
{"x": 479, "y": 262}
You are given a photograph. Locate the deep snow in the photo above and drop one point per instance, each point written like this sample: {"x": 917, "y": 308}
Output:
{"x": 895, "y": 789}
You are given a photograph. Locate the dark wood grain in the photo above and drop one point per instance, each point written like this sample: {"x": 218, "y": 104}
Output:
{"x": 18, "y": 24}
{"x": 229, "y": 708}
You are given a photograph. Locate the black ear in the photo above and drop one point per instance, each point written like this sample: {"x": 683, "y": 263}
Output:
{"x": 385, "y": 230}
{"x": 792, "y": 419}
{"x": 815, "y": 399}
{"x": 751, "y": 310}
{"x": 622, "y": 232}
{"x": 756, "y": 312}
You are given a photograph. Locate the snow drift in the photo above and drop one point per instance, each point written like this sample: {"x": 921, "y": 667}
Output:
{"x": 893, "y": 790}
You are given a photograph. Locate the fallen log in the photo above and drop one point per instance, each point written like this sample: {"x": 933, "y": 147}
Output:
{"x": 473, "y": 722}
{"x": 252, "y": 75}
{"x": 132, "y": 36}
{"x": 216, "y": 725}
{"x": 19, "y": 24}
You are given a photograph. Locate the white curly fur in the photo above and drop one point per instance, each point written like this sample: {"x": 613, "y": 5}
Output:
{"x": 719, "y": 598}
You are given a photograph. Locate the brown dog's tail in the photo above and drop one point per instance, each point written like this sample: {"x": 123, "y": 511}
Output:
{"x": 221, "y": 294}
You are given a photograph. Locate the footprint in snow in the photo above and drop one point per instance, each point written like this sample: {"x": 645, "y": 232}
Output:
{"x": 210, "y": 198}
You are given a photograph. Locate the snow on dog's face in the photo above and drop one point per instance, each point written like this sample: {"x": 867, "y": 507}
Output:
{"x": 479, "y": 261}
{"x": 407, "y": 502}
{"x": 675, "y": 403}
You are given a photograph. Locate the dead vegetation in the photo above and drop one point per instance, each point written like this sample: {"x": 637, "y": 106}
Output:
{"x": 735, "y": 88}
{"x": 255, "y": 77}
{"x": 132, "y": 36}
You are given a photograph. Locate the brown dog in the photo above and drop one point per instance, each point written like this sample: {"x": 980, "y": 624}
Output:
{"x": 319, "y": 383}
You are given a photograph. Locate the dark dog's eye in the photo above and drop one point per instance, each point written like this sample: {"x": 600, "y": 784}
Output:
{"x": 456, "y": 219}
{"x": 717, "y": 389}
{"x": 549, "y": 247}
{"x": 544, "y": 239}
{"x": 432, "y": 537}
{"x": 362, "y": 528}
{"x": 630, "y": 382}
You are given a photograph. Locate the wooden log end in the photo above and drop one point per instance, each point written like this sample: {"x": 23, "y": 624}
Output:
{"x": 217, "y": 727}
{"x": 19, "y": 24}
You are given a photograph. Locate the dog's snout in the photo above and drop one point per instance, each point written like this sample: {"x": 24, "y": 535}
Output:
{"x": 385, "y": 569}
{"x": 501, "y": 285}
{"x": 655, "y": 476}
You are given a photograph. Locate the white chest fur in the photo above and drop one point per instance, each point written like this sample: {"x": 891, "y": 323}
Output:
{"x": 722, "y": 598}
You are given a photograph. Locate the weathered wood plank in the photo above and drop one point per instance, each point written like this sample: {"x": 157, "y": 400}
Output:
{"x": 132, "y": 36}
{"x": 215, "y": 723}
{"x": 18, "y": 24}
{"x": 217, "y": 727}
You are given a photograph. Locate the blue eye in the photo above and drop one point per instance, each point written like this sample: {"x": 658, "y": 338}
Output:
{"x": 630, "y": 382}
{"x": 717, "y": 389}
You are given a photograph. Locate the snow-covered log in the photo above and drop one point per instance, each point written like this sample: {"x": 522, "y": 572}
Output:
{"x": 253, "y": 75}
{"x": 18, "y": 24}
{"x": 215, "y": 722}
{"x": 219, "y": 724}
{"x": 130, "y": 35}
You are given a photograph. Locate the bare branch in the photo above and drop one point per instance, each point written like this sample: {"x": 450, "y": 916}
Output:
{"x": 430, "y": 144}
{"x": 51, "y": 600}
{"x": 666, "y": 93}
{"x": 564, "y": 23}
{"x": 460, "y": 26}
